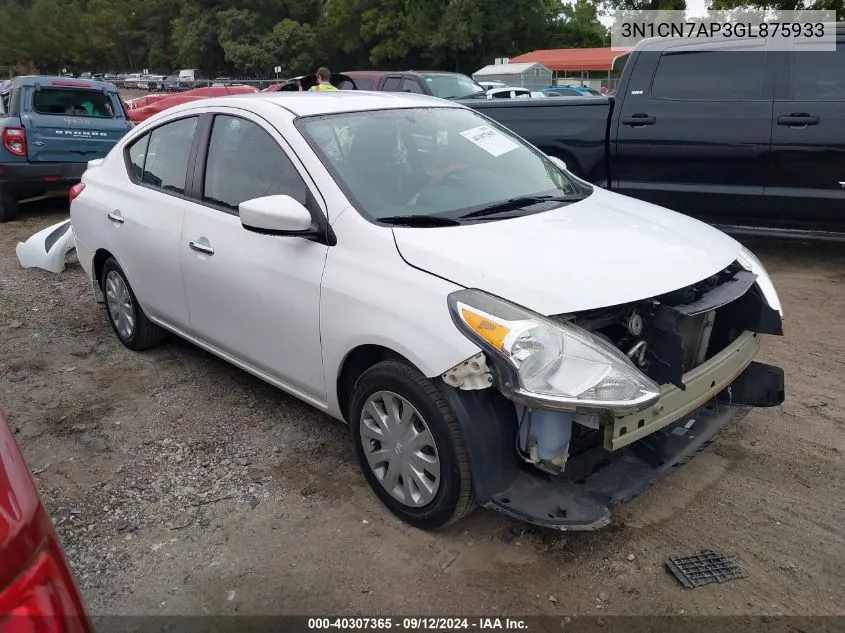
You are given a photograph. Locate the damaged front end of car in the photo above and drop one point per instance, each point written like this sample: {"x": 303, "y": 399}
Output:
{"x": 568, "y": 415}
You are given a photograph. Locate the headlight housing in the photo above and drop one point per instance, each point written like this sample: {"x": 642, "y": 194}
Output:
{"x": 751, "y": 263}
{"x": 546, "y": 364}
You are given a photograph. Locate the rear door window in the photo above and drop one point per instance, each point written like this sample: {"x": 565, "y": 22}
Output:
{"x": 67, "y": 101}
{"x": 137, "y": 154}
{"x": 364, "y": 83}
{"x": 710, "y": 75}
{"x": 168, "y": 151}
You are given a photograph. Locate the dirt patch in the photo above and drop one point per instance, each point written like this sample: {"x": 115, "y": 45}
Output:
{"x": 180, "y": 484}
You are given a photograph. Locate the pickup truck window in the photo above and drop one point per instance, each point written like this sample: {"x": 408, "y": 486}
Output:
{"x": 62, "y": 101}
{"x": 411, "y": 85}
{"x": 452, "y": 86}
{"x": 709, "y": 76}
{"x": 391, "y": 84}
{"x": 819, "y": 75}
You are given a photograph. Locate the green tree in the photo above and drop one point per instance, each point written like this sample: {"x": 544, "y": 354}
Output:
{"x": 53, "y": 36}
{"x": 579, "y": 26}
{"x": 195, "y": 38}
{"x": 230, "y": 36}
{"x": 240, "y": 35}
{"x": 646, "y": 5}
{"x": 15, "y": 48}
{"x": 293, "y": 46}
{"x": 779, "y": 5}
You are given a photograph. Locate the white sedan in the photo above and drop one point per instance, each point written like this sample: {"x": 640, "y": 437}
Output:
{"x": 494, "y": 330}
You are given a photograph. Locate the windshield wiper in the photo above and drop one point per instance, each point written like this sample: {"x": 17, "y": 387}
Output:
{"x": 419, "y": 220}
{"x": 516, "y": 203}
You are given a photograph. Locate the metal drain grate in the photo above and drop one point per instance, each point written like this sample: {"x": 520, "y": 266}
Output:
{"x": 705, "y": 568}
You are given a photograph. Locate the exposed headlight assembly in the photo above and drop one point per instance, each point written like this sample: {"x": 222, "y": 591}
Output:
{"x": 749, "y": 261}
{"x": 545, "y": 364}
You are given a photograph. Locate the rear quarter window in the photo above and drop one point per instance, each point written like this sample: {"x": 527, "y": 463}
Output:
{"x": 64, "y": 101}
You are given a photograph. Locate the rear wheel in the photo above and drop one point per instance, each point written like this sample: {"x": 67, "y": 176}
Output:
{"x": 409, "y": 446}
{"x": 127, "y": 319}
{"x": 8, "y": 207}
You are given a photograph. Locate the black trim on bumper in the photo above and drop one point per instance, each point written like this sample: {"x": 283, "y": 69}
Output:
{"x": 760, "y": 385}
{"x": 596, "y": 480}
{"x": 586, "y": 503}
{"x": 31, "y": 179}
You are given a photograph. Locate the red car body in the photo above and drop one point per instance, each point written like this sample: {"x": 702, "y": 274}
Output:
{"x": 140, "y": 102}
{"x": 38, "y": 592}
{"x": 143, "y": 113}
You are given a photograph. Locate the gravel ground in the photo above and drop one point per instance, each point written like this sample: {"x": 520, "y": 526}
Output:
{"x": 181, "y": 485}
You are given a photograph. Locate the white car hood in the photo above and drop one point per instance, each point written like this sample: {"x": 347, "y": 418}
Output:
{"x": 602, "y": 251}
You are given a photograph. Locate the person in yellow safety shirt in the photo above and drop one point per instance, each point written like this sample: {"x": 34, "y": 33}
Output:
{"x": 323, "y": 80}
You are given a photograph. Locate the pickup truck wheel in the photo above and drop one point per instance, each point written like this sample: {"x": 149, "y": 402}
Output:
{"x": 8, "y": 207}
{"x": 409, "y": 446}
{"x": 127, "y": 319}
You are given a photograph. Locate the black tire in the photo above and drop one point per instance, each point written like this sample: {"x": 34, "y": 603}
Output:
{"x": 8, "y": 207}
{"x": 454, "y": 498}
{"x": 145, "y": 333}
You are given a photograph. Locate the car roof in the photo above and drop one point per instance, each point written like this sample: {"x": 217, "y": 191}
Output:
{"x": 365, "y": 73}
{"x": 49, "y": 80}
{"x": 332, "y": 102}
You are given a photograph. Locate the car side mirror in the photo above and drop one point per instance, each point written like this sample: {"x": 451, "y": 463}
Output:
{"x": 275, "y": 215}
{"x": 558, "y": 162}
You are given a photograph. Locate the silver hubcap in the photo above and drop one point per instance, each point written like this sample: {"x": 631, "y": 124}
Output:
{"x": 400, "y": 449}
{"x": 119, "y": 302}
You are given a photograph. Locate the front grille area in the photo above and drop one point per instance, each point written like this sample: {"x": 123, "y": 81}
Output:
{"x": 668, "y": 335}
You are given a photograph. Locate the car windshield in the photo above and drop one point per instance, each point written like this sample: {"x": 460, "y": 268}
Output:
{"x": 435, "y": 162}
{"x": 452, "y": 86}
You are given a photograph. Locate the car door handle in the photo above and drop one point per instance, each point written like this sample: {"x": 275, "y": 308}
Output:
{"x": 202, "y": 248}
{"x": 799, "y": 120}
{"x": 637, "y": 120}
{"x": 115, "y": 216}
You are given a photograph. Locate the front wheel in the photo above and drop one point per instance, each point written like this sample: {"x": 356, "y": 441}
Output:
{"x": 409, "y": 446}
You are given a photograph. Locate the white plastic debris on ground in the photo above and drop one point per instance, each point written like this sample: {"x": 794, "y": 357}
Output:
{"x": 48, "y": 249}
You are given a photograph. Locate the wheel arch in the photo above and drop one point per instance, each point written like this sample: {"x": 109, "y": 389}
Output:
{"x": 100, "y": 257}
{"x": 486, "y": 418}
{"x": 355, "y": 363}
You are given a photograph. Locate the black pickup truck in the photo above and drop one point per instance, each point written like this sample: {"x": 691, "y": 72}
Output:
{"x": 738, "y": 136}
{"x": 744, "y": 138}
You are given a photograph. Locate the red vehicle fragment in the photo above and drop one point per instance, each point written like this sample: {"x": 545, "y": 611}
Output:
{"x": 38, "y": 591}
{"x": 140, "y": 102}
{"x": 143, "y": 113}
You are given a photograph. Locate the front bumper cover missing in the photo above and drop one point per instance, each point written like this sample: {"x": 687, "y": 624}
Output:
{"x": 598, "y": 480}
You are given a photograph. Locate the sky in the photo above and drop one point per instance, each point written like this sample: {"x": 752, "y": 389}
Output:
{"x": 694, "y": 8}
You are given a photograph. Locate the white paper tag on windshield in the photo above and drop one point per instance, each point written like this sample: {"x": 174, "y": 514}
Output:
{"x": 490, "y": 140}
